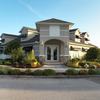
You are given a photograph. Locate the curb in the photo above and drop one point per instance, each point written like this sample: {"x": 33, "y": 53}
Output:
{"x": 62, "y": 76}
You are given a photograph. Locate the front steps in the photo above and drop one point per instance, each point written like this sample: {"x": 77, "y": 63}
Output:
{"x": 54, "y": 63}
{"x": 54, "y": 66}
{"x": 57, "y": 67}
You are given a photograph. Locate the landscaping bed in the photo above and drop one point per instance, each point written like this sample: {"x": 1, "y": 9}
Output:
{"x": 49, "y": 72}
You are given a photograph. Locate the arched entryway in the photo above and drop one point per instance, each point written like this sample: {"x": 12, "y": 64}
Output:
{"x": 54, "y": 49}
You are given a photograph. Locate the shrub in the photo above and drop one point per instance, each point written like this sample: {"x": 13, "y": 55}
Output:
{"x": 83, "y": 72}
{"x": 27, "y": 72}
{"x": 73, "y": 63}
{"x": 6, "y": 62}
{"x": 97, "y": 64}
{"x": 75, "y": 59}
{"x": 92, "y": 54}
{"x": 3, "y": 71}
{"x": 35, "y": 63}
{"x": 29, "y": 57}
{"x": 92, "y": 67}
{"x": 82, "y": 64}
{"x": 49, "y": 72}
{"x": 14, "y": 72}
{"x": 38, "y": 72}
{"x": 91, "y": 71}
{"x": 31, "y": 60}
{"x": 86, "y": 66}
{"x": 97, "y": 72}
{"x": 89, "y": 64}
{"x": 71, "y": 72}
{"x": 1, "y": 62}
{"x": 10, "y": 71}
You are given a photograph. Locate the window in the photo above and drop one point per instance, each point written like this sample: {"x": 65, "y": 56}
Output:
{"x": 83, "y": 49}
{"x": 48, "y": 53}
{"x": 54, "y": 30}
{"x": 55, "y": 53}
{"x": 76, "y": 36}
{"x": 71, "y": 48}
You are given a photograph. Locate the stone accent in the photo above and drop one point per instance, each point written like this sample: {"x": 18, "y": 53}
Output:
{"x": 42, "y": 58}
{"x": 64, "y": 58}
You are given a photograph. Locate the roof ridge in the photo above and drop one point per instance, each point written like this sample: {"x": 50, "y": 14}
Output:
{"x": 28, "y": 27}
{"x": 54, "y": 20}
{"x": 10, "y": 34}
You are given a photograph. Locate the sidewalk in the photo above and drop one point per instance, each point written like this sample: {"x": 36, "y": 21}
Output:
{"x": 58, "y": 68}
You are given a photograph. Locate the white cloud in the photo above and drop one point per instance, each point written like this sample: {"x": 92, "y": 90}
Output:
{"x": 31, "y": 9}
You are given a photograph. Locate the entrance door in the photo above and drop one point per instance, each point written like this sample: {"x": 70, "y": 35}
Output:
{"x": 52, "y": 53}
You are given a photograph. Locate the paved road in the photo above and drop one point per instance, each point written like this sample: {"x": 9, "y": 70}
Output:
{"x": 49, "y": 89}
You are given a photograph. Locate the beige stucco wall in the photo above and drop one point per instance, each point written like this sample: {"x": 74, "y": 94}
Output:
{"x": 30, "y": 34}
{"x": 63, "y": 39}
{"x": 85, "y": 36}
{"x": 63, "y": 42}
{"x": 72, "y": 36}
{"x": 44, "y": 30}
{"x": 78, "y": 34}
{"x": 24, "y": 31}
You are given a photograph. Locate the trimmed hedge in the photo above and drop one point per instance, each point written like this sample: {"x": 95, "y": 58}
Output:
{"x": 49, "y": 72}
{"x": 10, "y": 71}
{"x": 91, "y": 71}
{"x": 14, "y": 72}
{"x": 83, "y": 72}
{"x": 71, "y": 72}
{"x": 3, "y": 71}
{"x": 5, "y": 62}
{"x": 38, "y": 73}
{"x": 27, "y": 72}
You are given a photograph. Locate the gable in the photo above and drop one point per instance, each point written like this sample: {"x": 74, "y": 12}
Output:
{"x": 53, "y": 20}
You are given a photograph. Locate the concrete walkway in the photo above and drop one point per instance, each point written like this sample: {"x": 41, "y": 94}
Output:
{"x": 57, "y": 67}
{"x": 49, "y": 89}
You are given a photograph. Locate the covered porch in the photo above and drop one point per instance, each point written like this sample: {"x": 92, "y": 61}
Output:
{"x": 54, "y": 51}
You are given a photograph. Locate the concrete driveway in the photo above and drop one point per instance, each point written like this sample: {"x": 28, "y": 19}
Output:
{"x": 48, "y": 89}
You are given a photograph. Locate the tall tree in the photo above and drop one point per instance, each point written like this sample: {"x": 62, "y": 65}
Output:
{"x": 14, "y": 44}
{"x": 29, "y": 57}
{"x": 92, "y": 54}
{"x": 17, "y": 54}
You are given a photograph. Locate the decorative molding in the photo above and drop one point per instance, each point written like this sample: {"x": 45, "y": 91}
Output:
{"x": 41, "y": 55}
{"x": 53, "y": 36}
{"x": 64, "y": 55}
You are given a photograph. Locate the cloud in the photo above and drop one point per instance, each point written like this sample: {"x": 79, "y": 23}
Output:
{"x": 31, "y": 9}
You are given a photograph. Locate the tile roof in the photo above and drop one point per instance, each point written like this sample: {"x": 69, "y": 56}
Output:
{"x": 84, "y": 33}
{"x": 9, "y": 35}
{"x": 33, "y": 39}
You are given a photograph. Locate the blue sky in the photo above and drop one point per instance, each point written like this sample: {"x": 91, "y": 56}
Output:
{"x": 14, "y": 14}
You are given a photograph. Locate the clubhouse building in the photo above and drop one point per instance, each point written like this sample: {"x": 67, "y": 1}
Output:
{"x": 53, "y": 41}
